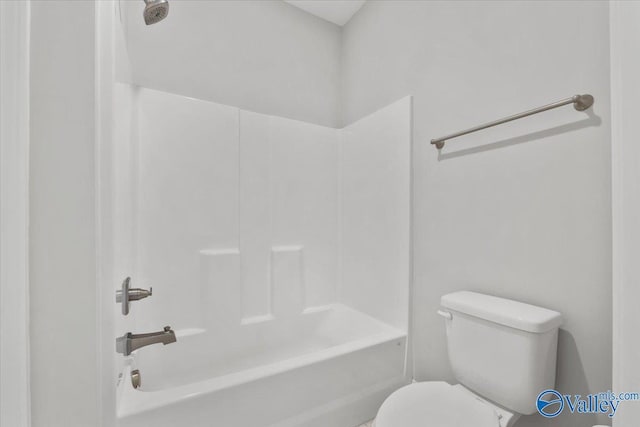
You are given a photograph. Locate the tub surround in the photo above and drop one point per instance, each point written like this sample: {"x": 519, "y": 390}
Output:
{"x": 277, "y": 249}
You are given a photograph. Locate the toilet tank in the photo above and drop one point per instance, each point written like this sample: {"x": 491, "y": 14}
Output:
{"x": 501, "y": 349}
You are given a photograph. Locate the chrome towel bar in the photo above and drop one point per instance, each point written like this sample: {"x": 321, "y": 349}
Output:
{"x": 580, "y": 103}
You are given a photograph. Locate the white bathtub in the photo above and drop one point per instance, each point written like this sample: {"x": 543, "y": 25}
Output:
{"x": 330, "y": 367}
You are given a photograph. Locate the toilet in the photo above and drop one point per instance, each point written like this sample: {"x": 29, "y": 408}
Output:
{"x": 502, "y": 353}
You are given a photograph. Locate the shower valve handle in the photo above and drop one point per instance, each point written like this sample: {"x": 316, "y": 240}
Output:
{"x": 128, "y": 294}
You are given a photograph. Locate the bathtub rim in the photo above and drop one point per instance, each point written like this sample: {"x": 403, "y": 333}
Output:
{"x": 130, "y": 401}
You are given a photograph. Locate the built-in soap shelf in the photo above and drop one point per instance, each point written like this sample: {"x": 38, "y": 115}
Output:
{"x": 256, "y": 319}
{"x": 266, "y": 318}
{"x": 222, "y": 291}
{"x": 287, "y": 281}
{"x": 318, "y": 309}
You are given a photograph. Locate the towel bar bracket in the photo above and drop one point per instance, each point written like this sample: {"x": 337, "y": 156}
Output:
{"x": 582, "y": 102}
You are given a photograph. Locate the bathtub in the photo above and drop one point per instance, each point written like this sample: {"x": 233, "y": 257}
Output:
{"x": 331, "y": 366}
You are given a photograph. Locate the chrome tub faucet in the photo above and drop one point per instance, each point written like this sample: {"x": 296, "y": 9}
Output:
{"x": 130, "y": 342}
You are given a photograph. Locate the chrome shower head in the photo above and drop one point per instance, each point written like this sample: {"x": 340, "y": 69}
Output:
{"x": 155, "y": 11}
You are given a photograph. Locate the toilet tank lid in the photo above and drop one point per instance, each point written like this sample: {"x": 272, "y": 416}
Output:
{"x": 518, "y": 315}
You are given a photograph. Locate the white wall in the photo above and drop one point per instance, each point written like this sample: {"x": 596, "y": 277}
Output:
{"x": 64, "y": 389}
{"x": 263, "y": 56}
{"x": 14, "y": 214}
{"x": 625, "y": 90}
{"x": 522, "y": 210}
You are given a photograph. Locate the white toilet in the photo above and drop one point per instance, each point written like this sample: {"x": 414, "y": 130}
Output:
{"x": 502, "y": 352}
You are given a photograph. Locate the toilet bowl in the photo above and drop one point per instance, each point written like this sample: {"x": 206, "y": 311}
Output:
{"x": 502, "y": 353}
{"x": 439, "y": 404}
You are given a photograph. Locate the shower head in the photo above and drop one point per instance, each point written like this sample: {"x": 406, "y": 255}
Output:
{"x": 155, "y": 11}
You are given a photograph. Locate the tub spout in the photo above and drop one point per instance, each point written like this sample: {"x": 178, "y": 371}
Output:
{"x": 130, "y": 342}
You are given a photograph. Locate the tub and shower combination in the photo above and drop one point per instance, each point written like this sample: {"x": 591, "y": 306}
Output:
{"x": 278, "y": 252}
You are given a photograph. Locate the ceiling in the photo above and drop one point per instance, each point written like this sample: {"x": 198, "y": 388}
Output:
{"x": 337, "y": 11}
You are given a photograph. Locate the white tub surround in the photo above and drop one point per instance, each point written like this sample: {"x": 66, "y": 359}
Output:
{"x": 277, "y": 250}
